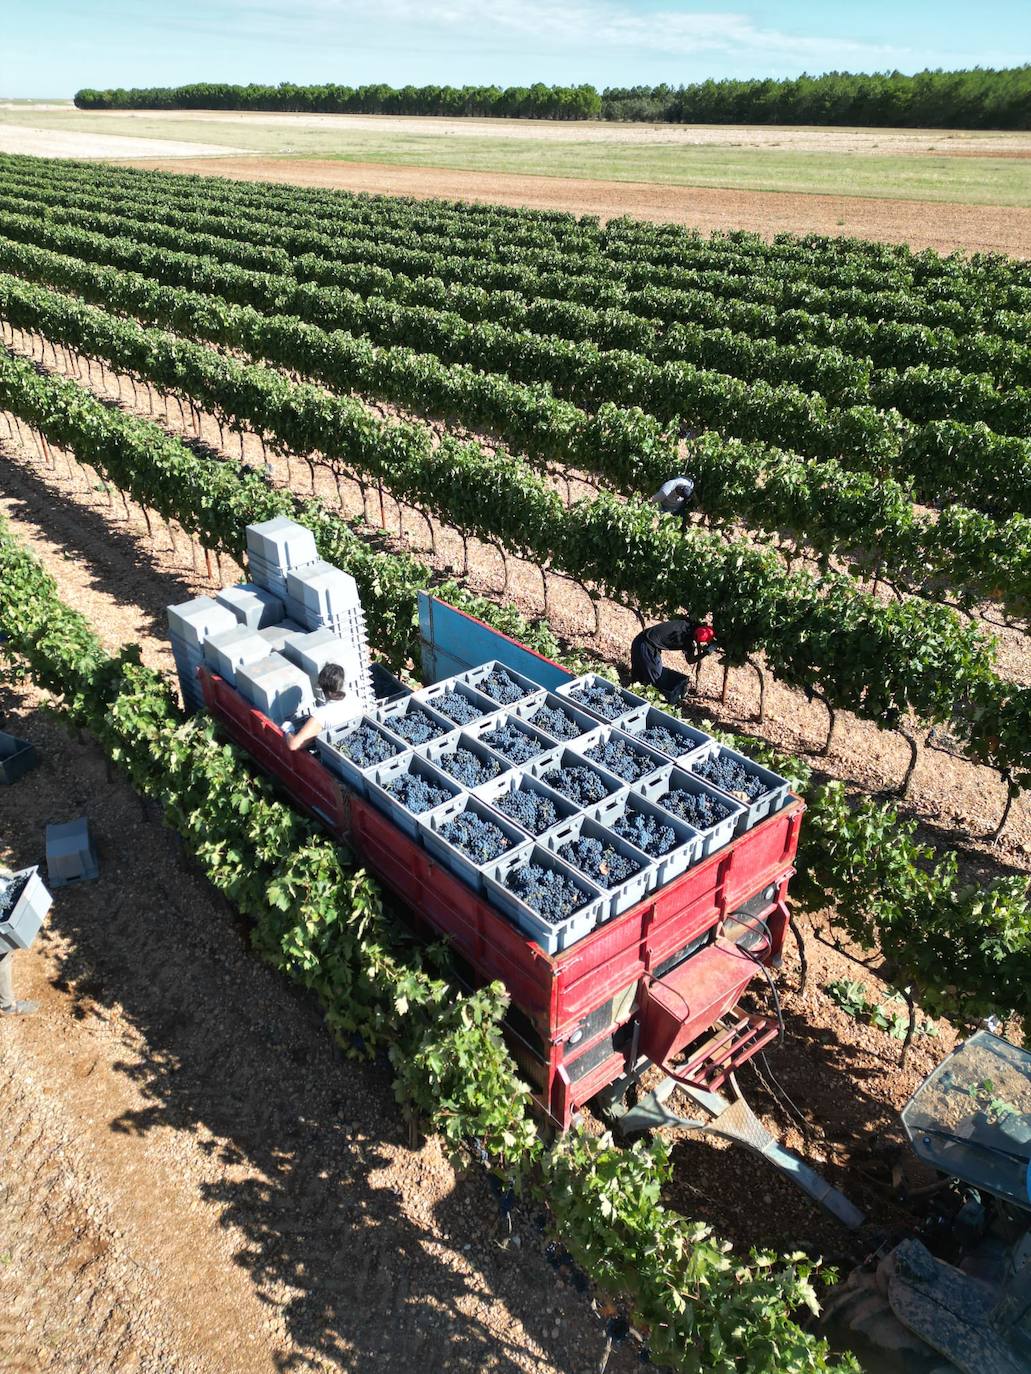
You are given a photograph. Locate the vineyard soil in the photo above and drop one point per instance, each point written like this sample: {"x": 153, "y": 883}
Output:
{"x": 922, "y": 224}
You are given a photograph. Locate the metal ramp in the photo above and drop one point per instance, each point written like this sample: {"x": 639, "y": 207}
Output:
{"x": 734, "y": 1120}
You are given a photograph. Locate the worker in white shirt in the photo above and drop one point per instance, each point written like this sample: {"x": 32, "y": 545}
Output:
{"x": 334, "y": 705}
{"x": 9, "y": 1004}
{"x": 674, "y": 498}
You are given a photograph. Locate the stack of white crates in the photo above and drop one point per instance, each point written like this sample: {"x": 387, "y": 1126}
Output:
{"x": 271, "y": 637}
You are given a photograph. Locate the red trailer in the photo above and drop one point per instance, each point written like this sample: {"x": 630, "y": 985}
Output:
{"x": 659, "y": 984}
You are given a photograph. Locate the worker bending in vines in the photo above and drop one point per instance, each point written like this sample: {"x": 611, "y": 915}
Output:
{"x": 689, "y": 637}
{"x": 674, "y": 498}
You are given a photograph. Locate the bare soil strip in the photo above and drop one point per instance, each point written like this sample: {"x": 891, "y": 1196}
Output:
{"x": 922, "y": 224}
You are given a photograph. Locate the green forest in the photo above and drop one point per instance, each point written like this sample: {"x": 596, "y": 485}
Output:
{"x": 978, "y": 98}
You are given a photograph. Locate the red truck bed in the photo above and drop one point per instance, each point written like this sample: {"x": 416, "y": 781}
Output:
{"x": 647, "y": 983}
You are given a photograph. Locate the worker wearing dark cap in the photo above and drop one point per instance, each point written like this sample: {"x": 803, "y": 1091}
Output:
{"x": 674, "y": 498}
{"x": 688, "y": 637}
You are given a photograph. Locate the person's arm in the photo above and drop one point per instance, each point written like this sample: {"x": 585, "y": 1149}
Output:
{"x": 305, "y": 734}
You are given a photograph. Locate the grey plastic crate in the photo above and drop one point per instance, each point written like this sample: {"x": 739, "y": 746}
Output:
{"x": 387, "y": 686}
{"x": 649, "y": 759}
{"x": 252, "y": 605}
{"x": 71, "y": 857}
{"x": 332, "y": 753}
{"x": 324, "y": 591}
{"x": 277, "y": 637}
{"x": 21, "y": 924}
{"x": 671, "y": 779}
{"x": 276, "y": 687}
{"x": 380, "y": 779}
{"x": 646, "y": 717}
{"x": 581, "y": 719}
{"x": 195, "y": 621}
{"x": 232, "y": 649}
{"x": 311, "y": 650}
{"x": 518, "y": 781}
{"x": 562, "y": 756}
{"x": 437, "y": 750}
{"x": 686, "y": 849}
{"x": 475, "y": 677}
{"x": 774, "y": 799}
{"x": 17, "y": 756}
{"x": 630, "y": 700}
{"x": 430, "y": 696}
{"x": 391, "y": 714}
{"x": 453, "y": 858}
{"x": 551, "y": 938}
{"x": 627, "y": 893}
{"x": 510, "y": 719}
{"x": 282, "y": 543}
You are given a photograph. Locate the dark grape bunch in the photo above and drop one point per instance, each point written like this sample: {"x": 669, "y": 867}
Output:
{"x": 457, "y": 708}
{"x": 476, "y": 838}
{"x": 552, "y": 895}
{"x": 645, "y": 832}
{"x": 581, "y": 785}
{"x": 555, "y": 722}
{"x": 669, "y": 742}
{"x": 415, "y": 726}
{"x": 603, "y": 700}
{"x": 623, "y": 759}
{"x": 416, "y": 794}
{"x": 528, "y": 809}
{"x": 500, "y": 687}
{"x": 699, "y": 810}
{"x": 466, "y": 768}
{"x": 10, "y": 892}
{"x": 729, "y": 776}
{"x": 366, "y": 746}
{"x": 599, "y": 861}
{"x": 515, "y": 744}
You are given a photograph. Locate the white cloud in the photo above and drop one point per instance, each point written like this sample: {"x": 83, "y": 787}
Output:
{"x": 588, "y": 25}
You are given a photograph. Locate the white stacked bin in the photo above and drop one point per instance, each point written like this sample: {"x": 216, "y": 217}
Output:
{"x": 252, "y": 605}
{"x": 275, "y": 687}
{"x": 275, "y": 548}
{"x": 190, "y": 623}
{"x": 231, "y": 649}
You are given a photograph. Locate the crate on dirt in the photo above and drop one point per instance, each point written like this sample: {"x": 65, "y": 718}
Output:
{"x": 471, "y": 771}
{"x": 471, "y": 705}
{"x": 24, "y": 903}
{"x": 490, "y": 835}
{"x": 724, "y": 812}
{"x": 350, "y": 751}
{"x": 231, "y": 649}
{"x": 670, "y": 843}
{"x": 771, "y": 791}
{"x": 653, "y": 725}
{"x": 71, "y": 857}
{"x": 252, "y": 605}
{"x": 552, "y": 935}
{"x": 17, "y": 757}
{"x": 407, "y": 782}
{"x": 599, "y": 697}
{"x": 563, "y": 759}
{"x": 624, "y": 876}
{"x": 525, "y": 801}
{"x": 276, "y": 687}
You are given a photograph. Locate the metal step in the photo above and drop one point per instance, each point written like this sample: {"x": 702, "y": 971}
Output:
{"x": 712, "y": 1063}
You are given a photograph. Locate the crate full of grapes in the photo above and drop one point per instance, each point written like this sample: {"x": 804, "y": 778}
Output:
{"x": 684, "y": 795}
{"x": 526, "y": 801}
{"x": 672, "y": 737}
{"x": 567, "y": 772}
{"x": 621, "y": 871}
{"x": 599, "y": 697}
{"x": 670, "y": 843}
{"x": 760, "y": 791}
{"x": 456, "y": 701}
{"x": 465, "y": 835}
{"x": 356, "y": 749}
{"x": 549, "y": 900}
{"x": 24, "y": 902}
{"x": 464, "y": 759}
{"x": 508, "y": 735}
{"x": 406, "y": 787}
{"x": 503, "y": 685}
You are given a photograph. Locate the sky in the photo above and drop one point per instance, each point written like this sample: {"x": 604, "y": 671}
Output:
{"x": 53, "y": 47}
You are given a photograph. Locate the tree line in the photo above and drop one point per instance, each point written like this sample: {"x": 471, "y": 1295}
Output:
{"x": 977, "y": 98}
